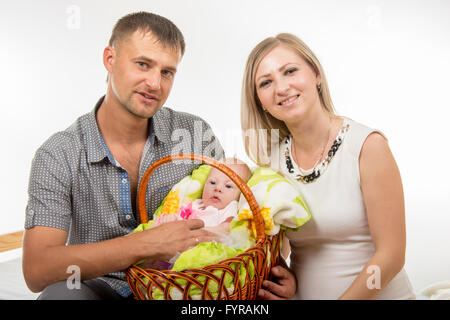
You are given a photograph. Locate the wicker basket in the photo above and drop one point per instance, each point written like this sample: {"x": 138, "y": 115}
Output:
{"x": 257, "y": 260}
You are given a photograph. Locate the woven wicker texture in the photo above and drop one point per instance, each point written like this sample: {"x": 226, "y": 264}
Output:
{"x": 238, "y": 278}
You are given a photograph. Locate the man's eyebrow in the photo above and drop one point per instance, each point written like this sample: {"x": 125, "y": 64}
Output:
{"x": 151, "y": 61}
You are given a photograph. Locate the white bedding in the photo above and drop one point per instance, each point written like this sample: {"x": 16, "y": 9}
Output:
{"x": 12, "y": 283}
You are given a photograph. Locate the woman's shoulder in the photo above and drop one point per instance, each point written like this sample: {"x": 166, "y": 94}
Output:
{"x": 358, "y": 134}
{"x": 357, "y": 127}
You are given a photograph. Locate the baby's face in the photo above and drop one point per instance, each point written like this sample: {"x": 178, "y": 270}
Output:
{"x": 219, "y": 190}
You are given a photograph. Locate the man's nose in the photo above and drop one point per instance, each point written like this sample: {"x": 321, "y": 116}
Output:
{"x": 153, "y": 80}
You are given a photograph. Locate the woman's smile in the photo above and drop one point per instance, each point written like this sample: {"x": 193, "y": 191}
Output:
{"x": 289, "y": 101}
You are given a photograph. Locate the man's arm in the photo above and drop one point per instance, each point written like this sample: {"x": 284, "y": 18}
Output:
{"x": 46, "y": 257}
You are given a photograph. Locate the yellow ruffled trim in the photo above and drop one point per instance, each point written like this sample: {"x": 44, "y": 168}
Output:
{"x": 172, "y": 203}
{"x": 246, "y": 214}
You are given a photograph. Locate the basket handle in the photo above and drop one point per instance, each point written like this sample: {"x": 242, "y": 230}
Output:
{"x": 257, "y": 217}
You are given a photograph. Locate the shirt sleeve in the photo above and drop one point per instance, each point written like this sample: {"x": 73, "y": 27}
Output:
{"x": 49, "y": 193}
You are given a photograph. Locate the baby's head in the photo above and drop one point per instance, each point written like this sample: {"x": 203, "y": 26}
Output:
{"x": 219, "y": 189}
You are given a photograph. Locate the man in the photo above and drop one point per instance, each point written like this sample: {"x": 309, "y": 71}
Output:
{"x": 84, "y": 180}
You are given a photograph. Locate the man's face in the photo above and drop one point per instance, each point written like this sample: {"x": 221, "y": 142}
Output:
{"x": 142, "y": 73}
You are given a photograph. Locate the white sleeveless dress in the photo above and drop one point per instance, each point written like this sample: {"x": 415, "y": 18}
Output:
{"x": 330, "y": 250}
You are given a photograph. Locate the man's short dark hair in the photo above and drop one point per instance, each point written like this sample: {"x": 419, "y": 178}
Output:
{"x": 164, "y": 29}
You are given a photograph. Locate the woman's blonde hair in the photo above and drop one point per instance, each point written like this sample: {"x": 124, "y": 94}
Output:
{"x": 261, "y": 131}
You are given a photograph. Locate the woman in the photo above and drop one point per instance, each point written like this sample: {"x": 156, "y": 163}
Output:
{"x": 354, "y": 246}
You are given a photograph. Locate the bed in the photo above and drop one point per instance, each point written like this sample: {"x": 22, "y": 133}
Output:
{"x": 13, "y": 287}
{"x": 12, "y": 283}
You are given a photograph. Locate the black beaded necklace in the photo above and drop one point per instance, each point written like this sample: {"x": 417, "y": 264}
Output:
{"x": 318, "y": 169}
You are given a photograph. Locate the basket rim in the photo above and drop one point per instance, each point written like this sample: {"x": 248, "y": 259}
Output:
{"x": 244, "y": 188}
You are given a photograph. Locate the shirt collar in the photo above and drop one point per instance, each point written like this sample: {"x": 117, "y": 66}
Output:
{"x": 160, "y": 126}
{"x": 96, "y": 148}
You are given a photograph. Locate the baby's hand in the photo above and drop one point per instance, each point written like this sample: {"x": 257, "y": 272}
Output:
{"x": 223, "y": 228}
{"x": 201, "y": 205}
{"x": 165, "y": 218}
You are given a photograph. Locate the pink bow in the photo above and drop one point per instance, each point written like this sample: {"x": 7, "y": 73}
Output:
{"x": 185, "y": 210}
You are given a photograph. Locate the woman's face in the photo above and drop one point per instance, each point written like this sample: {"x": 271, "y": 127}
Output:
{"x": 286, "y": 85}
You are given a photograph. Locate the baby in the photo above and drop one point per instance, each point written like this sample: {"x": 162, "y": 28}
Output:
{"x": 217, "y": 207}
{"x": 219, "y": 202}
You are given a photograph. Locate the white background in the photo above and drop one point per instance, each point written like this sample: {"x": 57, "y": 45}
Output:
{"x": 387, "y": 64}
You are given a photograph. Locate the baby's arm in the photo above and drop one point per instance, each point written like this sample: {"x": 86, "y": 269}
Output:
{"x": 200, "y": 205}
{"x": 222, "y": 228}
{"x": 165, "y": 218}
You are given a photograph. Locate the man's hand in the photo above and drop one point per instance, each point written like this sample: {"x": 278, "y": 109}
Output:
{"x": 165, "y": 218}
{"x": 46, "y": 256}
{"x": 284, "y": 287}
{"x": 168, "y": 239}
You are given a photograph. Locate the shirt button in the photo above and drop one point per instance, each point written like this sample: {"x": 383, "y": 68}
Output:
{"x": 128, "y": 217}
{"x": 124, "y": 180}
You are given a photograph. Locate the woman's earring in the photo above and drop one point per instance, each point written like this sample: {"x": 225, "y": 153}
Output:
{"x": 319, "y": 87}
